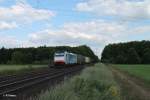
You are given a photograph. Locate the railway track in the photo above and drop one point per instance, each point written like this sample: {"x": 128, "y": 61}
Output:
{"x": 9, "y": 77}
{"x": 21, "y": 77}
{"x": 12, "y": 86}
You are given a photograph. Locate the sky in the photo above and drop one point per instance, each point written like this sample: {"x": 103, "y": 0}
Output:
{"x": 96, "y": 23}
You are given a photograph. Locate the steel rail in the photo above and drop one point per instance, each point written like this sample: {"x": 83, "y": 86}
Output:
{"x": 12, "y": 87}
{"x": 24, "y": 76}
{"x": 8, "y": 77}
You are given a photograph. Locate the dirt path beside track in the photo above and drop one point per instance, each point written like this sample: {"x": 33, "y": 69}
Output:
{"x": 131, "y": 88}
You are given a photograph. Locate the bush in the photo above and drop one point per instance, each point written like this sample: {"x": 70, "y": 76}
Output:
{"x": 94, "y": 83}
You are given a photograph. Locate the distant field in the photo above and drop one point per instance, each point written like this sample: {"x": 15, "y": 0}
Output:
{"x": 18, "y": 67}
{"x": 141, "y": 71}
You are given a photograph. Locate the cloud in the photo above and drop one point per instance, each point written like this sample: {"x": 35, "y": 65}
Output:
{"x": 5, "y": 25}
{"x": 96, "y": 33}
{"x": 92, "y": 33}
{"x": 140, "y": 30}
{"x": 126, "y": 9}
{"x": 22, "y": 12}
{"x": 9, "y": 41}
{"x": 99, "y": 32}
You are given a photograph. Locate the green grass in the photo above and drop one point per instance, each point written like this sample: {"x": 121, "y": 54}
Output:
{"x": 12, "y": 69}
{"x": 17, "y": 67}
{"x": 94, "y": 83}
{"x": 141, "y": 71}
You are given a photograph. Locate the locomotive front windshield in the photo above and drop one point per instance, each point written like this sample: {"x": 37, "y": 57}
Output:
{"x": 59, "y": 55}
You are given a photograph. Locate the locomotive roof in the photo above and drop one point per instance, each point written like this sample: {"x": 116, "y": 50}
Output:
{"x": 60, "y": 51}
{"x": 64, "y": 52}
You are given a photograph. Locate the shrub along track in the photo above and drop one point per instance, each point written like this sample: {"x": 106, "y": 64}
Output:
{"x": 131, "y": 87}
{"x": 16, "y": 84}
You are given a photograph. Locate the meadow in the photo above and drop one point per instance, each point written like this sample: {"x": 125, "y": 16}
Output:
{"x": 11, "y": 69}
{"x": 94, "y": 83}
{"x": 140, "y": 71}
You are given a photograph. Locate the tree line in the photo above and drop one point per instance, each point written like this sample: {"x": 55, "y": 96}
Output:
{"x": 40, "y": 55}
{"x": 135, "y": 52}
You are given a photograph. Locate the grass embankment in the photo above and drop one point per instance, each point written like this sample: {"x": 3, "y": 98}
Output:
{"x": 14, "y": 69}
{"x": 94, "y": 83}
{"x": 139, "y": 71}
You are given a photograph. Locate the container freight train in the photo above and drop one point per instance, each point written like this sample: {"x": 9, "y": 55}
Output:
{"x": 66, "y": 58}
